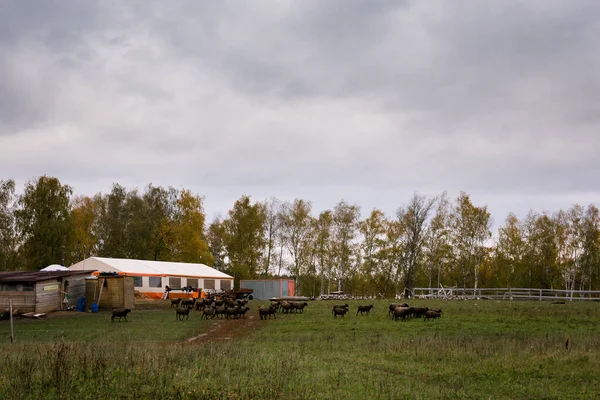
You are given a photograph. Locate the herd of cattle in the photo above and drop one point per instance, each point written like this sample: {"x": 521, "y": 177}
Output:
{"x": 210, "y": 308}
{"x": 396, "y": 311}
{"x": 234, "y": 309}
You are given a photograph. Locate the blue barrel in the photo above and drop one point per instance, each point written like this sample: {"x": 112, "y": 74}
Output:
{"x": 94, "y": 307}
{"x": 81, "y": 304}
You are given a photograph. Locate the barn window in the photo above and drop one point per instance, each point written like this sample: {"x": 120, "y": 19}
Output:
{"x": 193, "y": 282}
{"x": 17, "y": 287}
{"x": 9, "y": 287}
{"x": 137, "y": 281}
{"x": 225, "y": 285}
{"x": 175, "y": 283}
{"x": 209, "y": 284}
{"x": 155, "y": 281}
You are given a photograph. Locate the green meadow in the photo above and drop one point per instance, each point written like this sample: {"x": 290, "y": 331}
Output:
{"x": 477, "y": 350}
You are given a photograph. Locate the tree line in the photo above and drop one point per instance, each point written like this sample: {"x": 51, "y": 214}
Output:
{"x": 431, "y": 241}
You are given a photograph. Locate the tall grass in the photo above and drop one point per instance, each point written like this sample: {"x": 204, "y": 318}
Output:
{"x": 477, "y": 350}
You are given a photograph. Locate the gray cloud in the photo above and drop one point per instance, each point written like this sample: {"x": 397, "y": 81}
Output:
{"x": 367, "y": 101}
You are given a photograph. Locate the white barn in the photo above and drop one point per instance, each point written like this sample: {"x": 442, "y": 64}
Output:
{"x": 152, "y": 277}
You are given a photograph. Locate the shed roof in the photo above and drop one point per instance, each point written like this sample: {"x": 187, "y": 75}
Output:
{"x": 146, "y": 267}
{"x": 37, "y": 276}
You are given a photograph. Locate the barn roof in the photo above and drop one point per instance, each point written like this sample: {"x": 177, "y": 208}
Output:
{"x": 37, "y": 276}
{"x": 150, "y": 268}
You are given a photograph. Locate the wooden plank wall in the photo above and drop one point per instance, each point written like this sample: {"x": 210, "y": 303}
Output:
{"x": 22, "y": 301}
{"x": 76, "y": 290}
{"x": 113, "y": 296}
{"x": 118, "y": 293}
{"x": 91, "y": 292}
{"x": 128, "y": 293}
{"x": 47, "y": 296}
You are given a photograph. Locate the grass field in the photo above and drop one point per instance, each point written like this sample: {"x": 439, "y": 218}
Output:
{"x": 478, "y": 349}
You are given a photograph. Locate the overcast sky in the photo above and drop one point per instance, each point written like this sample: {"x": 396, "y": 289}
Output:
{"x": 367, "y": 101}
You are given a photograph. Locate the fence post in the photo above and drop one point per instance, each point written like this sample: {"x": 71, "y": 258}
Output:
{"x": 12, "y": 329}
{"x": 540, "y": 294}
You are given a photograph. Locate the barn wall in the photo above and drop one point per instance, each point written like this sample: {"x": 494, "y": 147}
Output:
{"x": 22, "y": 301}
{"x": 113, "y": 294}
{"x": 128, "y": 293}
{"x": 91, "y": 292}
{"x": 117, "y": 292}
{"x": 75, "y": 290}
{"x": 47, "y": 296}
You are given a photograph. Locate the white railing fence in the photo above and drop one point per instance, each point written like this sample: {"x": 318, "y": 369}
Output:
{"x": 453, "y": 293}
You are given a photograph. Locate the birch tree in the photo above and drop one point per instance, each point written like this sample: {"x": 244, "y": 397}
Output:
{"x": 541, "y": 251}
{"x": 413, "y": 220}
{"x": 273, "y": 228}
{"x": 323, "y": 249}
{"x": 372, "y": 230}
{"x": 437, "y": 242}
{"x": 345, "y": 224}
{"x": 470, "y": 231}
{"x": 510, "y": 251}
{"x": 391, "y": 257}
{"x": 297, "y": 229}
{"x": 590, "y": 257}
{"x": 8, "y": 234}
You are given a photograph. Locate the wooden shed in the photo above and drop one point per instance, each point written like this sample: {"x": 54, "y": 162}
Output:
{"x": 40, "y": 291}
{"x": 109, "y": 292}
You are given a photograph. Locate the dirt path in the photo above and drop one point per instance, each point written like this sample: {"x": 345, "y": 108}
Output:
{"x": 228, "y": 329}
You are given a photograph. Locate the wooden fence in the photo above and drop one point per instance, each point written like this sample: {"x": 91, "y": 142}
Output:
{"x": 506, "y": 294}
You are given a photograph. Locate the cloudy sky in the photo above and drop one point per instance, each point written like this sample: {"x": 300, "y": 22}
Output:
{"x": 367, "y": 101}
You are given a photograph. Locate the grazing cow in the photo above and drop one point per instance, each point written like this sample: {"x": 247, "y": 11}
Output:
{"x": 431, "y": 314}
{"x": 420, "y": 311}
{"x": 286, "y": 307}
{"x": 208, "y": 312}
{"x": 236, "y": 312}
{"x": 265, "y": 313}
{"x": 339, "y": 311}
{"x": 230, "y": 303}
{"x": 243, "y": 311}
{"x": 120, "y": 314}
{"x": 182, "y": 312}
{"x": 299, "y": 306}
{"x": 221, "y": 311}
{"x": 400, "y": 312}
{"x": 175, "y": 302}
{"x": 200, "y": 304}
{"x": 363, "y": 309}
{"x": 188, "y": 302}
{"x": 394, "y": 305}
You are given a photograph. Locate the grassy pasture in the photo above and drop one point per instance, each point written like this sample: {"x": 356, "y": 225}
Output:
{"x": 478, "y": 349}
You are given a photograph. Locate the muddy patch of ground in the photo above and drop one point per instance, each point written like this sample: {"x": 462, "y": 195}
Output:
{"x": 228, "y": 329}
